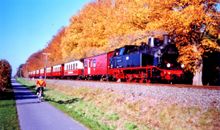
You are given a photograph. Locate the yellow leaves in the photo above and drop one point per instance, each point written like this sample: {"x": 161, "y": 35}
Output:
{"x": 190, "y": 56}
{"x": 210, "y": 45}
{"x": 103, "y": 25}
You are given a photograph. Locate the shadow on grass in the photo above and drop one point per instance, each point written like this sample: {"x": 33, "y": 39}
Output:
{"x": 7, "y": 94}
{"x": 7, "y": 97}
{"x": 74, "y": 100}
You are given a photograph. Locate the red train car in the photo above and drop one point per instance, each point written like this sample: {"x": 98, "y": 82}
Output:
{"x": 49, "y": 72}
{"x": 42, "y": 74}
{"x": 33, "y": 74}
{"x": 37, "y": 74}
{"x": 96, "y": 67}
{"x": 58, "y": 70}
{"x": 73, "y": 69}
{"x": 30, "y": 74}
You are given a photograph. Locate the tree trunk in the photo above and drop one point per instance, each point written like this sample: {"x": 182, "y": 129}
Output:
{"x": 197, "y": 77}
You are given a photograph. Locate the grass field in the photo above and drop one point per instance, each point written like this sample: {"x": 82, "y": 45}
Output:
{"x": 101, "y": 109}
{"x": 8, "y": 112}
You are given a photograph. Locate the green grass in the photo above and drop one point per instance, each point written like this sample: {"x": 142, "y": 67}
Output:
{"x": 130, "y": 126}
{"x": 8, "y": 112}
{"x": 83, "y": 111}
{"x": 103, "y": 110}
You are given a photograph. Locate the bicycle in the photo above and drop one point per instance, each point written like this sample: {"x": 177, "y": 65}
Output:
{"x": 40, "y": 95}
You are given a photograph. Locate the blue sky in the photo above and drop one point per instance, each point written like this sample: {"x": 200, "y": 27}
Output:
{"x": 26, "y": 26}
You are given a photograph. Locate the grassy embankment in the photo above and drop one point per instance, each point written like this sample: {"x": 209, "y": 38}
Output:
{"x": 8, "y": 112}
{"x": 101, "y": 109}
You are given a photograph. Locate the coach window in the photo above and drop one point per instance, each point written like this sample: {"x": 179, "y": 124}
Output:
{"x": 76, "y": 65}
{"x": 85, "y": 63}
{"x": 94, "y": 63}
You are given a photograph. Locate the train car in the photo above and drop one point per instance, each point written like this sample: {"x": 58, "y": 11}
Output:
{"x": 73, "y": 69}
{"x": 49, "y": 72}
{"x": 33, "y": 74}
{"x": 42, "y": 74}
{"x": 37, "y": 74}
{"x": 30, "y": 75}
{"x": 96, "y": 67}
{"x": 152, "y": 62}
{"x": 58, "y": 71}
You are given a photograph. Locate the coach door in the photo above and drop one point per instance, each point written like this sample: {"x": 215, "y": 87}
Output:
{"x": 89, "y": 66}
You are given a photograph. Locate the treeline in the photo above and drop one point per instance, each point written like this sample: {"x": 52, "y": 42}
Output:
{"x": 5, "y": 75}
{"x": 103, "y": 25}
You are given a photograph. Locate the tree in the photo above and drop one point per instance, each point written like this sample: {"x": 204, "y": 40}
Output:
{"x": 54, "y": 49}
{"x": 34, "y": 62}
{"x": 5, "y": 74}
{"x": 194, "y": 27}
{"x": 20, "y": 71}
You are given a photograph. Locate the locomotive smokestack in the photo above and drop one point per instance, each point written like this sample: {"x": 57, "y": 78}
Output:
{"x": 151, "y": 41}
{"x": 165, "y": 39}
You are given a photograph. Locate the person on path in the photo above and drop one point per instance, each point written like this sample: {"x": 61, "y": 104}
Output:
{"x": 40, "y": 85}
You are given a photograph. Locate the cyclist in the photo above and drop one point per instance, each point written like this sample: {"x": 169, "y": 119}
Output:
{"x": 40, "y": 84}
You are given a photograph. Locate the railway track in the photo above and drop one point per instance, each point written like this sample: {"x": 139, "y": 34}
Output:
{"x": 188, "y": 95}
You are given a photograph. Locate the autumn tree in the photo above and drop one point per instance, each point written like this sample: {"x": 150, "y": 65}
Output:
{"x": 5, "y": 74}
{"x": 54, "y": 49}
{"x": 99, "y": 23}
{"x": 193, "y": 25}
{"x": 104, "y": 25}
{"x": 34, "y": 62}
{"x": 20, "y": 72}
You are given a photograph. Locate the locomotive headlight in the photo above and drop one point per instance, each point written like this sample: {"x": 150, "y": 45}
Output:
{"x": 127, "y": 57}
{"x": 168, "y": 65}
{"x": 182, "y": 65}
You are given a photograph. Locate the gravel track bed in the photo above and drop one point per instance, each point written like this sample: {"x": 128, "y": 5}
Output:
{"x": 202, "y": 98}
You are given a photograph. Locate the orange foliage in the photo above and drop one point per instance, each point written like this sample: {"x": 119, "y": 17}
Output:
{"x": 193, "y": 24}
{"x": 105, "y": 25}
{"x": 5, "y": 75}
{"x": 54, "y": 49}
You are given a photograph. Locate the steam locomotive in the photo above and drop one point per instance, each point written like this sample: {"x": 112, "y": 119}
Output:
{"x": 154, "y": 61}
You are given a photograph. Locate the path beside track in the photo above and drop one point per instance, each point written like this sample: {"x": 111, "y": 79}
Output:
{"x": 40, "y": 116}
